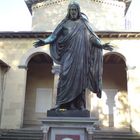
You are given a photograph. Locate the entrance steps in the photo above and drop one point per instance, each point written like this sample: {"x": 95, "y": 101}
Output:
{"x": 30, "y": 134}
{"x": 21, "y": 134}
{"x": 113, "y": 135}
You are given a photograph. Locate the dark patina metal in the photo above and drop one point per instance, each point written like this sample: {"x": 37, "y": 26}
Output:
{"x": 78, "y": 50}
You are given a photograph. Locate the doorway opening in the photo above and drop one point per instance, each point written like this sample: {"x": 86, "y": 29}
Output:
{"x": 39, "y": 89}
{"x": 114, "y": 106}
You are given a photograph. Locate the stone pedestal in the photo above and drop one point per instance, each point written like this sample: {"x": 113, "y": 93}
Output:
{"x": 68, "y": 113}
{"x": 70, "y": 128}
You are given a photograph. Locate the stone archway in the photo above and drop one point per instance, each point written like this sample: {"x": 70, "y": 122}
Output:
{"x": 114, "y": 106}
{"x": 39, "y": 88}
{"x": 39, "y": 84}
{"x": 32, "y": 52}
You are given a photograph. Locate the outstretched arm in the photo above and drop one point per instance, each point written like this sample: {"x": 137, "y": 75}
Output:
{"x": 107, "y": 46}
{"x": 97, "y": 43}
{"x": 41, "y": 42}
{"x": 38, "y": 43}
{"x": 48, "y": 40}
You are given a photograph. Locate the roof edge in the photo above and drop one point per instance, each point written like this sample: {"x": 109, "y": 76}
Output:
{"x": 101, "y": 34}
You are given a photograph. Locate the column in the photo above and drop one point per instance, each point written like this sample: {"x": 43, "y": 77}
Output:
{"x": 131, "y": 93}
{"x": 3, "y": 72}
{"x": 23, "y": 92}
{"x": 45, "y": 130}
{"x": 56, "y": 71}
{"x": 90, "y": 132}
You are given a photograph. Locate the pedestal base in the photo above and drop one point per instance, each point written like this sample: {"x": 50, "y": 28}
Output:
{"x": 75, "y": 128}
{"x": 68, "y": 113}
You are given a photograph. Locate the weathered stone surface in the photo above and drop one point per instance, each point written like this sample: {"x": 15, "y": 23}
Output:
{"x": 102, "y": 14}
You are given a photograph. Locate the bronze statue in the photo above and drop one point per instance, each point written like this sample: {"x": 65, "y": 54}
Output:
{"x": 78, "y": 50}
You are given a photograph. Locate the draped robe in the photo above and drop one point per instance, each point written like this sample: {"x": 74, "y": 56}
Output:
{"x": 80, "y": 60}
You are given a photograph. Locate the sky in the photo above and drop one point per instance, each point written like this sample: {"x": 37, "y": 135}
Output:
{"x": 14, "y": 16}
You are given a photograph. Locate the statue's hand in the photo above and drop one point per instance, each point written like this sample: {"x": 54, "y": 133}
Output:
{"x": 39, "y": 43}
{"x": 107, "y": 46}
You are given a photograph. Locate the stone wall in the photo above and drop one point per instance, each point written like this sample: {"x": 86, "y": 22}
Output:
{"x": 102, "y": 14}
{"x": 13, "y": 50}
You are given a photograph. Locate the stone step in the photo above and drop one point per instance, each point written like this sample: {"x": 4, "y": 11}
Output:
{"x": 21, "y": 134}
{"x": 116, "y": 133}
{"x": 21, "y": 130}
{"x": 30, "y": 134}
{"x": 101, "y": 135}
{"x": 19, "y": 138}
{"x": 115, "y": 138}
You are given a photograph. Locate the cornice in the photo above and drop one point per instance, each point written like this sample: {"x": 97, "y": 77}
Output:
{"x": 22, "y": 34}
{"x": 101, "y": 34}
{"x": 29, "y": 3}
{"x": 47, "y": 3}
{"x": 41, "y": 3}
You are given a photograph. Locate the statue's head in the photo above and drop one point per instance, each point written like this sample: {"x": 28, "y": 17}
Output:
{"x": 73, "y": 11}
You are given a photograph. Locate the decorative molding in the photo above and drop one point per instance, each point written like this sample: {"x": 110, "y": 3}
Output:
{"x": 47, "y": 3}
{"x": 28, "y": 34}
{"x": 111, "y": 3}
{"x": 53, "y": 2}
{"x": 33, "y": 4}
{"x": 101, "y": 34}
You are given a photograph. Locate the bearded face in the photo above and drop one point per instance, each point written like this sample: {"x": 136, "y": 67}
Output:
{"x": 73, "y": 11}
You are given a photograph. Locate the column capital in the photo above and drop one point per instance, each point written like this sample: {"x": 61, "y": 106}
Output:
{"x": 45, "y": 128}
{"x": 56, "y": 69}
{"x": 90, "y": 130}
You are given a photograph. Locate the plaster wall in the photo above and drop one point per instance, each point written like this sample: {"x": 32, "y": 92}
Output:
{"x": 102, "y": 14}
{"x": 11, "y": 51}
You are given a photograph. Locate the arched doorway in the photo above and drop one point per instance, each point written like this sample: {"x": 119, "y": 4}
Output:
{"x": 114, "y": 107}
{"x": 39, "y": 89}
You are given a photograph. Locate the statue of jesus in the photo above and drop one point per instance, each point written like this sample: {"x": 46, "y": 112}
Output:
{"x": 78, "y": 51}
